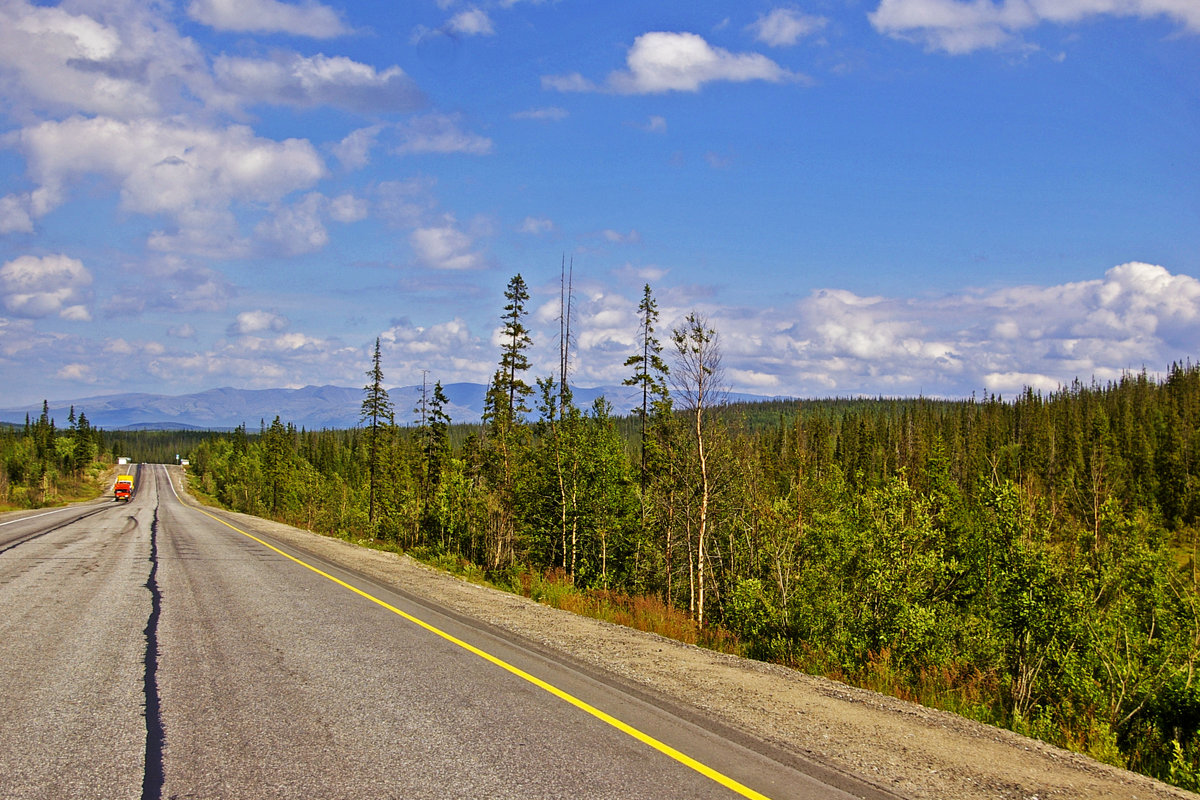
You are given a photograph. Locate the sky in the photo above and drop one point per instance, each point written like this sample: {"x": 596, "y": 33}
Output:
{"x": 861, "y": 197}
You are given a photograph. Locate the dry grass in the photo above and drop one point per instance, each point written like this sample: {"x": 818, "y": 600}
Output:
{"x": 642, "y": 612}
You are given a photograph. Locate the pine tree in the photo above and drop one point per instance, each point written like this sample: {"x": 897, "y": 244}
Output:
{"x": 514, "y": 361}
{"x": 376, "y": 408}
{"x": 649, "y": 370}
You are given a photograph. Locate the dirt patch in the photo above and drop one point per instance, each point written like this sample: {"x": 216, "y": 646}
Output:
{"x": 902, "y": 747}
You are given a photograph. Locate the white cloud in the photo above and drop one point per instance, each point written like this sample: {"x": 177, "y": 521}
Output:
{"x": 15, "y": 214}
{"x": 536, "y": 225}
{"x": 77, "y": 373}
{"x": 35, "y": 287}
{"x": 347, "y": 208}
{"x": 123, "y": 61}
{"x": 334, "y": 81}
{"x": 962, "y": 27}
{"x": 404, "y": 204}
{"x": 439, "y": 133}
{"x": 654, "y": 124}
{"x": 354, "y": 151}
{"x": 297, "y": 228}
{"x": 171, "y": 283}
{"x": 836, "y": 342}
{"x": 573, "y": 82}
{"x": 445, "y": 247}
{"x": 192, "y": 174}
{"x": 309, "y": 19}
{"x": 680, "y": 62}
{"x": 616, "y": 237}
{"x": 548, "y": 114}
{"x": 449, "y": 349}
{"x": 472, "y": 22}
{"x": 783, "y": 27}
{"x": 252, "y": 322}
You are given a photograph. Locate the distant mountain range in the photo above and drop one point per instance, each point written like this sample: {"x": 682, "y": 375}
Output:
{"x": 313, "y": 407}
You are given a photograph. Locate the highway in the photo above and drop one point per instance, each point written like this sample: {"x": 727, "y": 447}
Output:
{"x": 152, "y": 649}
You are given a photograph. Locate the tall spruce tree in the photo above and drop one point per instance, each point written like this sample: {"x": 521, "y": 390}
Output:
{"x": 650, "y": 371}
{"x": 378, "y": 411}
{"x": 514, "y": 360}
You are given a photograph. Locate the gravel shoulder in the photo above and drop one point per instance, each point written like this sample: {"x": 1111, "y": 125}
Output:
{"x": 901, "y": 747}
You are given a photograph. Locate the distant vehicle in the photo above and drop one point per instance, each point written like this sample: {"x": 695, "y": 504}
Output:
{"x": 123, "y": 488}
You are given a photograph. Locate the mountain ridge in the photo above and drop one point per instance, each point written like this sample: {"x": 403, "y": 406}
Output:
{"x": 310, "y": 407}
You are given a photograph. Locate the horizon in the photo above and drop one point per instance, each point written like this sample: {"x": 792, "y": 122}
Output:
{"x": 897, "y": 199}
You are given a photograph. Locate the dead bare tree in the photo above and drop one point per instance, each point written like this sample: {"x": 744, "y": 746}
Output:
{"x": 698, "y": 381}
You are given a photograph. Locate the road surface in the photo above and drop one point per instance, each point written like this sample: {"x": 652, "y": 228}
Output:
{"x": 152, "y": 649}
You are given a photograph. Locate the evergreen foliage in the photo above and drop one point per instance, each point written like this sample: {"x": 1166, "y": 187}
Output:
{"x": 1029, "y": 562}
{"x": 41, "y": 464}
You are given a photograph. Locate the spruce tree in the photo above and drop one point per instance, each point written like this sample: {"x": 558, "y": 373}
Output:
{"x": 377, "y": 409}
{"x": 649, "y": 370}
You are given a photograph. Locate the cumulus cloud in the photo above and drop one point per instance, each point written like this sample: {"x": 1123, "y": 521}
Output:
{"x": 299, "y": 228}
{"x": 783, "y": 27}
{"x": 536, "y": 225}
{"x": 471, "y": 22}
{"x": 253, "y": 322}
{"x": 335, "y": 81}
{"x": 445, "y": 247}
{"x": 15, "y": 214}
{"x": 654, "y": 124}
{"x": 838, "y": 343}
{"x": 449, "y": 348}
{"x": 309, "y": 19}
{"x": 347, "y": 208}
{"x": 192, "y": 174}
{"x": 958, "y": 27}
{"x": 1138, "y": 315}
{"x": 676, "y": 62}
{"x": 354, "y": 151}
{"x": 172, "y": 283}
{"x": 439, "y": 133}
{"x": 616, "y": 237}
{"x": 77, "y": 373}
{"x": 404, "y": 204}
{"x": 42, "y": 286}
{"x": 120, "y": 61}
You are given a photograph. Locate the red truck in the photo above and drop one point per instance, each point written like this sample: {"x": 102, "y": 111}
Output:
{"x": 123, "y": 489}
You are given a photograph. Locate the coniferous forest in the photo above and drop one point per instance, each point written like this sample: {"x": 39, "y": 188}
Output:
{"x": 1029, "y": 561}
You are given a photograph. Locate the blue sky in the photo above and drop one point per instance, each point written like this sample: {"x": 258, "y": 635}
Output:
{"x": 886, "y": 197}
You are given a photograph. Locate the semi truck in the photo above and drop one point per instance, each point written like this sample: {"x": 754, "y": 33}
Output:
{"x": 123, "y": 488}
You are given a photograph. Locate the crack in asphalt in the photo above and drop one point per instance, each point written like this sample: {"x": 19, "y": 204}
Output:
{"x": 152, "y": 780}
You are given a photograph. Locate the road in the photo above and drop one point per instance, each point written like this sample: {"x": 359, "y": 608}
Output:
{"x": 153, "y": 649}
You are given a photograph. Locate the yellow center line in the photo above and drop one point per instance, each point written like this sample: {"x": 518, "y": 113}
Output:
{"x": 624, "y": 727}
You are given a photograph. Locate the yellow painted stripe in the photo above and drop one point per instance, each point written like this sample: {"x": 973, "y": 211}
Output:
{"x": 645, "y": 738}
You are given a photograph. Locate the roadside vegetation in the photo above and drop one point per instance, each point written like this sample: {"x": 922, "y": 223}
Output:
{"x": 41, "y": 465}
{"x": 1028, "y": 562}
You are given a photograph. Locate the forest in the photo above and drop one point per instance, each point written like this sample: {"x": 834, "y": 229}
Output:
{"x": 41, "y": 464}
{"x": 1029, "y": 562}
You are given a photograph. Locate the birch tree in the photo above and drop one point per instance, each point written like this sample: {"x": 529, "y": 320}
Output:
{"x": 698, "y": 379}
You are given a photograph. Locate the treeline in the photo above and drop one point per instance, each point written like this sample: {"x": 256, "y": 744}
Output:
{"x": 41, "y": 463}
{"x": 1028, "y": 562}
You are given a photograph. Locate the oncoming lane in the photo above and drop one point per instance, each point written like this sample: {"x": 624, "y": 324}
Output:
{"x": 72, "y": 650}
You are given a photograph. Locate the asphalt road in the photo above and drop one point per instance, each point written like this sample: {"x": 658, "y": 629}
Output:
{"x": 152, "y": 650}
